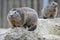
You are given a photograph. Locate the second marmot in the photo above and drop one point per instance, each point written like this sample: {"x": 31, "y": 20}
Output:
{"x": 50, "y": 11}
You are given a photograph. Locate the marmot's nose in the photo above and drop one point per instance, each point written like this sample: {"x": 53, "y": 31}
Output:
{"x": 11, "y": 15}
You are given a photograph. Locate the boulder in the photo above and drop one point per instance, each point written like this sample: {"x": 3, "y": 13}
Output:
{"x": 47, "y": 29}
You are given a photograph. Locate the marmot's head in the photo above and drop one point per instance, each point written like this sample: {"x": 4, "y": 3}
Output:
{"x": 54, "y": 4}
{"x": 14, "y": 18}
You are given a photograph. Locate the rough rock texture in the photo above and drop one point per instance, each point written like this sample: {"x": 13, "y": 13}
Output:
{"x": 47, "y": 29}
{"x": 49, "y": 26}
{"x": 20, "y": 33}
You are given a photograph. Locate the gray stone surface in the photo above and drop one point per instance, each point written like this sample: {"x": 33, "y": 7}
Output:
{"x": 46, "y": 30}
{"x": 49, "y": 26}
{"x": 20, "y": 33}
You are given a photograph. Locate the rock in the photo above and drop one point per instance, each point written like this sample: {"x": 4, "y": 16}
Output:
{"x": 3, "y": 33}
{"x": 20, "y": 33}
{"x": 50, "y": 26}
{"x": 48, "y": 29}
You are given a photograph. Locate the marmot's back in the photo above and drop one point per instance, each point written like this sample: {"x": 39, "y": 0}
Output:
{"x": 30, "y": 14}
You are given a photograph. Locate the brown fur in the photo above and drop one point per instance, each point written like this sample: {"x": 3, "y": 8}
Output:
{"x": 50, "y": 11}
{"x": 24, "y": 16}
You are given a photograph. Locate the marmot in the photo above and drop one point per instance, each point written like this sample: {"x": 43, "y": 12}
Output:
{"x": 50, "y": 11}
{"x": 24, "y": 16}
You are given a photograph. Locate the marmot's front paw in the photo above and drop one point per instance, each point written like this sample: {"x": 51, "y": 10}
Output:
{"x": 32, "y": 28}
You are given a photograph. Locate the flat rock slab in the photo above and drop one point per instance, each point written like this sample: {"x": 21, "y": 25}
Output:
{"x": 47, "y": 29}
{"x": 49, "y": 26}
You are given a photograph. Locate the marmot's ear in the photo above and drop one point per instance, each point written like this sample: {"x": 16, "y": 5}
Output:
{"x": 32, "y": 28}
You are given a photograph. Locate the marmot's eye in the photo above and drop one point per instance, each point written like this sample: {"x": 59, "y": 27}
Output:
{"x": 53, "y": 3}
{"x": 15, "y": 12}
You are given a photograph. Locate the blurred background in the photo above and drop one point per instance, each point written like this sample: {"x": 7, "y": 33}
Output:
{"x": 6, "y": 5}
